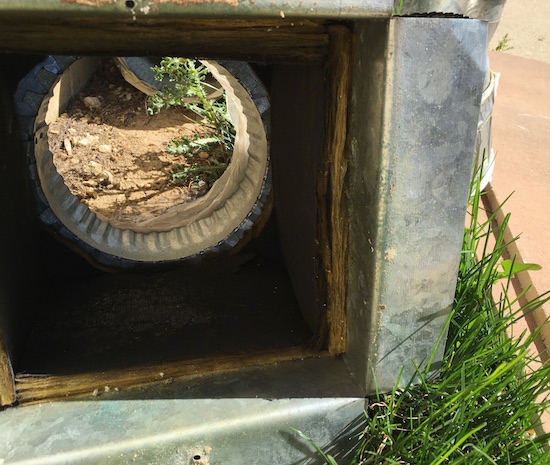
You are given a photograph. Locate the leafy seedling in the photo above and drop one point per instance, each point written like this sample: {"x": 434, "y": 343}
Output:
{"x": 191, "y": 91}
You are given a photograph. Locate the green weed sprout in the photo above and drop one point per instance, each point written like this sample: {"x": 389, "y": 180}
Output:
{"x": 397, "y": 8}
{"x": 191, "y": 91}
{"x": 503, "y": 44}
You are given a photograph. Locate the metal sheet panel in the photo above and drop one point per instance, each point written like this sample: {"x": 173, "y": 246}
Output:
{"x": 223, "y": 9}
{"x": 415, "y": 104}
{"x": 202, "y": 431}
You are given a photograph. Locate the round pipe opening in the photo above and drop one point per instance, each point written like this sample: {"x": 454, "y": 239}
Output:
{"x": 212, "y": 223}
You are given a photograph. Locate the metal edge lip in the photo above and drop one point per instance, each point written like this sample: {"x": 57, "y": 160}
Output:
{"x": 245, "y": 430}
{"x": 196, "y": 9}
{"x": 488, "y": 10}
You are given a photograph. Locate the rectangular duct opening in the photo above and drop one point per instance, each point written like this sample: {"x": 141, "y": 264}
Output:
{"x": 264, "y": 305}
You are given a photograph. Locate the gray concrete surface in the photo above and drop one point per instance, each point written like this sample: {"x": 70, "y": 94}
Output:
{"x": 521, "y": 135}
{"x": 527, "y": 23}
{"x": 521, "y": 140}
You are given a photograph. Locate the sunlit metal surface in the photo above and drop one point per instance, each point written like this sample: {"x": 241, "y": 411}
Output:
{"x": 410, "y": 171}
{"x": 176, "y": 431}
{"x": 150, "y": 9}
{"x": 488, "y": 10}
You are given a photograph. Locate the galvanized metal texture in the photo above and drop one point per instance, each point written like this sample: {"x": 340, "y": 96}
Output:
{"x": 201, "y": 431}
{"x": 488, "y": 10}
{"x": 413, "y": 128}
{"x": 151, "y": 9}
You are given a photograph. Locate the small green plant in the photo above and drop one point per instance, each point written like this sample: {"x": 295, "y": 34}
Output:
{"x": 329, "y": 460}
{"x": 397, "y": 8}
{"x": 209, "y": 152}
{"x": 503, "y": 44}
{"x": 484, "y": 405}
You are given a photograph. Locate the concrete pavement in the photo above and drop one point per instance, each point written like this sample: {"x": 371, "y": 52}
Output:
{"x": 521, "y": 140}
{"x": 527, "y": 23}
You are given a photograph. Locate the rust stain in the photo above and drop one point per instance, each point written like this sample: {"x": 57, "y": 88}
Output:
{"x": 99, "y": 3}
{"x": 390, "y": 254}
{"x": 196, "y": 2}
{"x": 90, "y": 2}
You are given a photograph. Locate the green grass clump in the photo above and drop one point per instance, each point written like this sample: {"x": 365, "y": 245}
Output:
{"x": 484, "y": 405}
